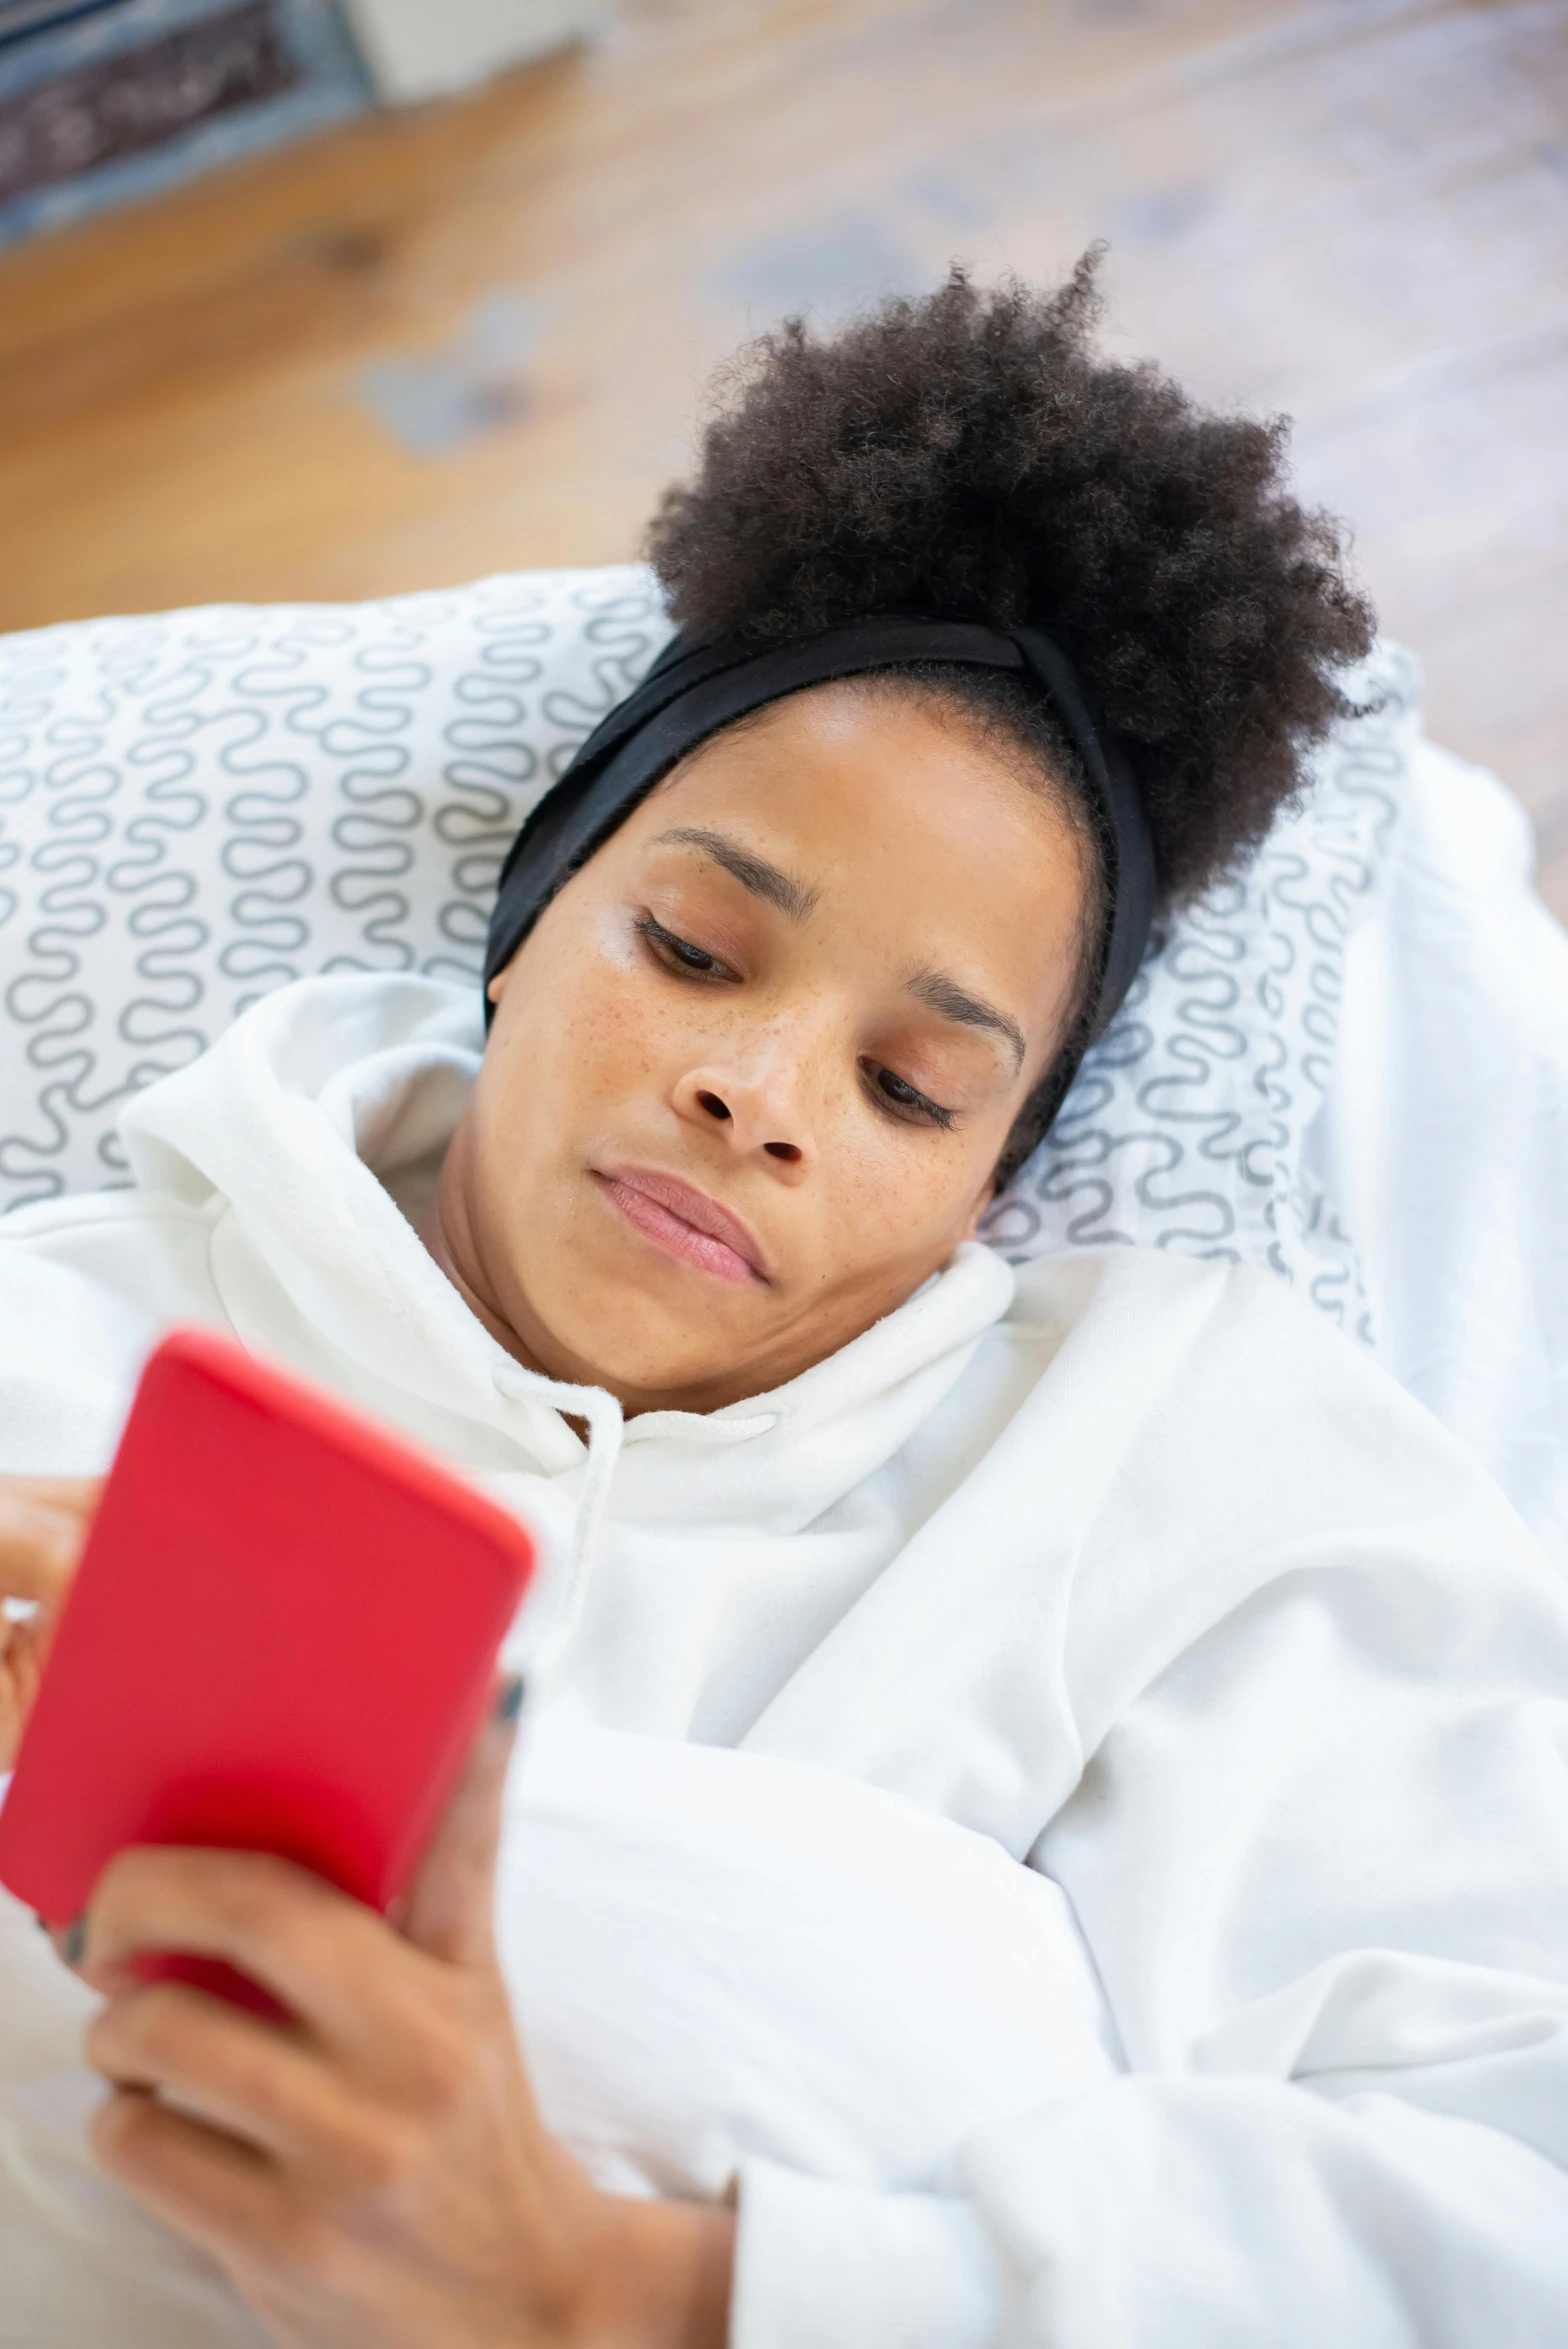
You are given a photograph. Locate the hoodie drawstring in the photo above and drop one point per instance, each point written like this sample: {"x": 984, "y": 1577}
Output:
{"x": 606, "y": 1433}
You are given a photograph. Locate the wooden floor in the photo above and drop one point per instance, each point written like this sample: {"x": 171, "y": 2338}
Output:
{"x": 474, "y": 338}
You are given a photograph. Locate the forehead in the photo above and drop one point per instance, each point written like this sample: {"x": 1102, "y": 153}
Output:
{"x": 865, "y": 778}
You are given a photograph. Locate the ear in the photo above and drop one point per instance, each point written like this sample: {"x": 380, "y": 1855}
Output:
{"x": 497, "y": 986}
{"x": 977, "y": 1213}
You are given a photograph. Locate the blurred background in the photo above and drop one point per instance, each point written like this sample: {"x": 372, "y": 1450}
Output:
{"x": 325, "y": 299}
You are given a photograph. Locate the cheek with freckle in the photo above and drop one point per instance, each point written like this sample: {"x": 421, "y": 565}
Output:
{"x": 585, "y": 1031}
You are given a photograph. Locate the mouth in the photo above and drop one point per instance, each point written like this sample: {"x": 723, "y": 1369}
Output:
{"x": 684, "y": 1222}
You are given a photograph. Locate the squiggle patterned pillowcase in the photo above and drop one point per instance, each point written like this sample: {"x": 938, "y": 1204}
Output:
{"x": 198, "y": 807}
{"x": 1195, "y": 1123}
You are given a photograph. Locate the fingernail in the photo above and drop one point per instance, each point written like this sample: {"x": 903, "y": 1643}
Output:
{"x": 509, "y": 1700}
{"x": 76, "y": 1942}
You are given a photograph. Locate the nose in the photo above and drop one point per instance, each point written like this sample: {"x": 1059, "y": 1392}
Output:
{"x": 758, "y": 1109}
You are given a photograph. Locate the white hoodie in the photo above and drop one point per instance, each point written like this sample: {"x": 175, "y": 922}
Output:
{"x": 1129, "y": 1570}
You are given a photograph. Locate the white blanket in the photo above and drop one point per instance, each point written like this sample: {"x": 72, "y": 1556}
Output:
{"x": 713, "y": 1957}
{"x": 1126, "y": 1563}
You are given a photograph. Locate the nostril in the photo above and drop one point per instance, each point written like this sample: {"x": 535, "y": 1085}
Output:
{"x": 785, "y": 1150}
{"x": 713, "y": 1105}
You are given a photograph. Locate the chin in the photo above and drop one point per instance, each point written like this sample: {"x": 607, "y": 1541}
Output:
{"x": 618, "y": 1331}
{"x": 654, "y": 1351}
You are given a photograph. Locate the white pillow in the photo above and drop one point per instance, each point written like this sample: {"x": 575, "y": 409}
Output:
{"x": 1447, "y": 1130}
{"x": 201, "y": 806}
{"x": 1197, "y": 1123}
{"x": 198, "y": 807}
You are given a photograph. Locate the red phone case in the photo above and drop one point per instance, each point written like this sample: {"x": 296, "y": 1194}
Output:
{"x": 281, "y": 1638}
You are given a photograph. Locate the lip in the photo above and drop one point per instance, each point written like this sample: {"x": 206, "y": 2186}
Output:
{"x": 684, "y": 1221}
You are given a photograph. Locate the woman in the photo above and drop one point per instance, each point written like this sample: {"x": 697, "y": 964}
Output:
{"x": 1125, "y": 1569}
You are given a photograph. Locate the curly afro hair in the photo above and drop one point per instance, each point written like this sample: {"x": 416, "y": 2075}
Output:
{"x": 968, "y": 454}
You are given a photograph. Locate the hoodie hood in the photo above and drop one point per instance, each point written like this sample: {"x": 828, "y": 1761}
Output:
{"x": 330, "y": 1102}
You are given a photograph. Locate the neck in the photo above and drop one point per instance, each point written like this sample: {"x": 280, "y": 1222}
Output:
{"x": 433, "y": 1233}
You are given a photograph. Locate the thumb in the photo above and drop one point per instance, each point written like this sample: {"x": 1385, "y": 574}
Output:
{"x": 450, "y": 1906}
{"x": 43, "y": 1524}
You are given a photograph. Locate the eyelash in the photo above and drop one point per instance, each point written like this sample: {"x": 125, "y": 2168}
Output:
{"x": 910, "y": 1107}
{"x": 685, "y": 961}
{"x": 678, "y": 954}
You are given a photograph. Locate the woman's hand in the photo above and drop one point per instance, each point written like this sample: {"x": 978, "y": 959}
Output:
{"x": 372, "y": 2174}
{"x": 43, "y": 1523}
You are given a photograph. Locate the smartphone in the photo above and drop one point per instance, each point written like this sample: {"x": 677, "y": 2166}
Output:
{"x": 281, "y": 1637}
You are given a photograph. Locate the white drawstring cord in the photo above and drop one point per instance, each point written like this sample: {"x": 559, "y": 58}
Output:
{"x": 606, "y": 1436}
{"x": 606, "y": 1432}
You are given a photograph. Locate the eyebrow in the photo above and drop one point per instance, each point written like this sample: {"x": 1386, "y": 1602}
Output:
{"x": 945, "y": 996}
{"x": 935, "y": 989}
{"x": 766, "y": 881}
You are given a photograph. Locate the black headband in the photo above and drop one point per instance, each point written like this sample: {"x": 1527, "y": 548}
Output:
{"x": 693, "y": 690}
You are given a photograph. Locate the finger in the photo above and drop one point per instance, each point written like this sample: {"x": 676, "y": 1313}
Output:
{"x": 322, "y": 1955}
{"x": 220, "y": 2195}
{"x": 40, "y": 1541}
{"x": 22, "y": 1645}
{"x": 451, "y": 1905}
{"x": 21, "y": 1668}
{"x": 80, "y": 1494}
{"x": 257, "y": 2082}
{"x": 38, "y": 1549}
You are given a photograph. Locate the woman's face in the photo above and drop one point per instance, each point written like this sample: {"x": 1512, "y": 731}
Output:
{"x": 751, "y": 1070}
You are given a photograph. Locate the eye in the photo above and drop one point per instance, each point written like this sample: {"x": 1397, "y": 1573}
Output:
{"x": 901, "y": 1100}
{"x": 678, "y": 954}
